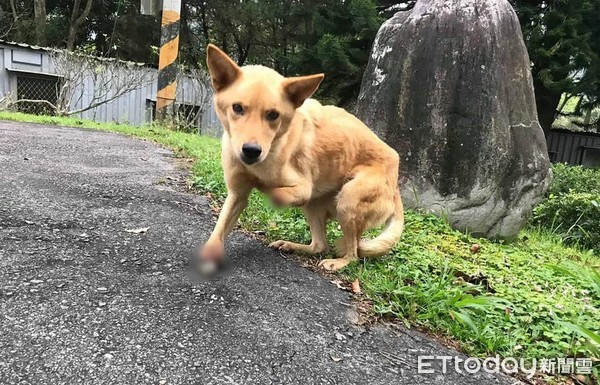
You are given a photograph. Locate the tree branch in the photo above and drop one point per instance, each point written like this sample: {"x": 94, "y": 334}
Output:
{"x": 14, "y": 10}
{"x": 84, "y": 14}
{"x": 41, "y": 101}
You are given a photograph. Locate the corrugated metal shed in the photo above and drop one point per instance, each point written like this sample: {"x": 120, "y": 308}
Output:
{"x": 22, "y": 62}
{"x": 575, "y": 148}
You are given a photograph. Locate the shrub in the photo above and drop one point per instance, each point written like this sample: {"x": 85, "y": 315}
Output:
{"x": 571, "y": 207}
{"x": 574, "y": 178}
{"x": 574, "y": 216}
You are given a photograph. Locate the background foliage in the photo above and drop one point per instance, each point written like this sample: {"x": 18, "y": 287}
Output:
{"x": 571, "y": 207}
{"x": 563, "y": 40}
{"x": 304, "y": 36}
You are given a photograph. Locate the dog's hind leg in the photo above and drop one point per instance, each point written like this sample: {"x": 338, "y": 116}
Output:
{"x": 364, "y": 202}
{"x": 339, "y": 246}
{"x": 317, "y": 212}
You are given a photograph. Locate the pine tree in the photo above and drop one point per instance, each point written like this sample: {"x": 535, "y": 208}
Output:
{"x": 562, "y": 41}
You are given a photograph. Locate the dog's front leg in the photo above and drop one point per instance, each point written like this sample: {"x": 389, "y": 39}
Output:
{"x": 214, "y": 249}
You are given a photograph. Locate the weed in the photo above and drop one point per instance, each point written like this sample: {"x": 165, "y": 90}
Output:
{"x": 533, "y": 298}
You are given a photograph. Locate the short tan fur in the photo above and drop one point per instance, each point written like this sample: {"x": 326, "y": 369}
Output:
{"x": 301, "y": 153}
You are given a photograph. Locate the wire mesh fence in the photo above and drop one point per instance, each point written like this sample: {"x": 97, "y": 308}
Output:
{"x": 37, "y": 94}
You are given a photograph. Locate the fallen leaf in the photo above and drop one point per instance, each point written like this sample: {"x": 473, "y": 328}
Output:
{"x": 475, "y": 248}
{"x": 138, "y": 231}
{"x": 356, "y": 286}
{"x": 339, "y": 285}
{"x": 335, "y": 359}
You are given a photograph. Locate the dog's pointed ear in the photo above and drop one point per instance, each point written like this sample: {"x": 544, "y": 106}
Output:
{"x": 223, "y": 70}
{"x": 298, "y": 89}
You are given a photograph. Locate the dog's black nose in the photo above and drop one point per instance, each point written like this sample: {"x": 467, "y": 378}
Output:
{"x": 251, "y": 152}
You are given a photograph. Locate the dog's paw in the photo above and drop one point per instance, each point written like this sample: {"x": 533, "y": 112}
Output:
{"x": 212, "y": 251}
{"x": 211, "y": 258}
{"x": 281, "y": 245}
{"x": 334, "y": 264}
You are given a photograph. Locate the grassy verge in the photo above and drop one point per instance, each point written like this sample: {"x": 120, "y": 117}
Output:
{"x": 534, "y": 298}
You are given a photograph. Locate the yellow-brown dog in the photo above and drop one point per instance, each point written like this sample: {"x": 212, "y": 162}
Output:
{"x": 301, "y": 153}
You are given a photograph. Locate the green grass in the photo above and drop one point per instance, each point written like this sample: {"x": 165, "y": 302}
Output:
{"x": 533, "y": 298}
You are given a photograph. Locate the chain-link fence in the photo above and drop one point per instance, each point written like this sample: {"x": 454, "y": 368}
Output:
{"x": 37, "y": 94}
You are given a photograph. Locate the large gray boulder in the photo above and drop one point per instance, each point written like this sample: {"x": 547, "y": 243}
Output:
{"x": 449, "y": 86}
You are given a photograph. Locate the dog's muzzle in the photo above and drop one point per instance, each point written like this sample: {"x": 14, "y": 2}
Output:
{"x": 251, "y": 153}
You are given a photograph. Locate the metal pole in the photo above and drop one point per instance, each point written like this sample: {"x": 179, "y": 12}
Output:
{"x": 169, "y": 49}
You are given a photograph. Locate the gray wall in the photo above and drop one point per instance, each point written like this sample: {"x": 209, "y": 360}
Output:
{"x": 3, "y": 74}
{"x": 133, "y": 107}
{"x": 574, "y": 148}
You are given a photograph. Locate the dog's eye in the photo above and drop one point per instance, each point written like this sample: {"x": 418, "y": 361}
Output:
{"x": 238, "y": 109}
{"x": 272, "y": 115}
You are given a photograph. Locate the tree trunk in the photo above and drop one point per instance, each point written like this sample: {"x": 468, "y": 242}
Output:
{"x": 15, "y": 16}
{"x": 72, "y": 26}
{"x": 204, "y": 22}
{"x": 243, "y": 54}
{"x": 77, "y": 21}
{"x": 547, "y": 102}
{"x": 242, "y": 50}
{"x": 13, "y": 9}
{"x": 39, "y": 10}
{"x": 588, "y": 117}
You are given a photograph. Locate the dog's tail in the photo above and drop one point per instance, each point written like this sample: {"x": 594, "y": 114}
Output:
{"x": 384, "y": 242}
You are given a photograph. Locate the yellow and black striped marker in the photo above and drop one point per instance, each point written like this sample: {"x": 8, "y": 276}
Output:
{"x": 169, "y": 49}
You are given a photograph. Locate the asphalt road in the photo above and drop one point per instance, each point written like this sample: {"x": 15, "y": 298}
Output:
{"x": 83, "y": 301}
